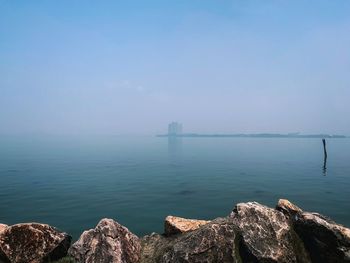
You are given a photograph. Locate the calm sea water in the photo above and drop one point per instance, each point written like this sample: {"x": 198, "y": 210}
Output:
{"x": 73, "y": 182}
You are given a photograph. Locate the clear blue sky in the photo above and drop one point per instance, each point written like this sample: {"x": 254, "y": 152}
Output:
{"x": 119, "y": 67}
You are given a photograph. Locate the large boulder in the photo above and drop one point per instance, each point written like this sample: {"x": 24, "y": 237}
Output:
{"x": 32, "y": 243}
{"x": 212, "y": 242}
{"x": 325, "y": 240}
{"x": 109, "y": 242}
{"x": 178, "y": 225}
{"x": 266, "y": 235}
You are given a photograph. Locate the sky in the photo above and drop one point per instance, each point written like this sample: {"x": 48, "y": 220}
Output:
{"x": 216, "y": 66}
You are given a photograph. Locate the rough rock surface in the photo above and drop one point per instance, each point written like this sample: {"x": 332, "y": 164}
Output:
{"x": 266, "y": 235}
{"x": 287, "y": 208}
{"x": 177, "y": 225}
{"x": 32, "y": 243}
{"x": 3, "y": 227}
{"x": 213, "y": 242}
{"x": 325, "y": 240}
{"x": 109, "y": 242}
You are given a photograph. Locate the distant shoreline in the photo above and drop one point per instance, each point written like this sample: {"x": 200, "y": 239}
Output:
{"x": 255, "y": 135}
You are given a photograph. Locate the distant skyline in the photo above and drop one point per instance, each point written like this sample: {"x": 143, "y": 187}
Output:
{"x": 132, "y": 67}
{"x": 176, "y": 129}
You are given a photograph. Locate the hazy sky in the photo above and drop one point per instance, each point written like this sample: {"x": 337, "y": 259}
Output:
{"x": 119, "y": 67}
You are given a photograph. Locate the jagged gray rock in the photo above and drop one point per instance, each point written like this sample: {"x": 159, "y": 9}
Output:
{"x": 266, "y": 235}
{"x": 32, "y": 242}
{"x": 109, "y": 242}
{"x": 325, "y": 240}
{"x": 213, "y": 242}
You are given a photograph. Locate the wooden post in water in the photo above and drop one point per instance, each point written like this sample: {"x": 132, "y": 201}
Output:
{"x": 324, "y": 148}
{"x": 325, "y": 156}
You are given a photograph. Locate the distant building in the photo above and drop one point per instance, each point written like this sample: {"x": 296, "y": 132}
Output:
{"x": 174, "y": 128}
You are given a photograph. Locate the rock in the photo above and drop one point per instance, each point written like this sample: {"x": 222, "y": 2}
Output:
{"x": 154, "y": 246}
{"x": 32, "y": 243}
{"x": 177, "y": 225}
{"x": 287, "y": 208}
{"x": 212, "y": 242}
{"x": 109, "y": 242}
{"x": 252, "y": 233}
{"x": 2, "y": 255}
{"x": 325, "y": 240}
{"x": 266, "y": 235}
{"x": 3, "y": 227}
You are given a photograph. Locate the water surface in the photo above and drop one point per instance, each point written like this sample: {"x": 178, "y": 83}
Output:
{"x": 73, "y": 182}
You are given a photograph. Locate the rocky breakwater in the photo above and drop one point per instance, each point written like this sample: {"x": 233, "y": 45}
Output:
{"x": 251, "y": 233}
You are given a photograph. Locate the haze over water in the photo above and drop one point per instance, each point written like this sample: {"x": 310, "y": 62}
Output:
{"x": 86, "y": 86}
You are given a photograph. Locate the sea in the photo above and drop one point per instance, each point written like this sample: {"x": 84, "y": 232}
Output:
{"x": 71, "y": 182}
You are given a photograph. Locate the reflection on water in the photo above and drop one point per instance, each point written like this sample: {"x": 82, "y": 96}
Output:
{"x": 174, "y": 147}
{"x": 324, "y": 169}
{"x": 325, "y": 157}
